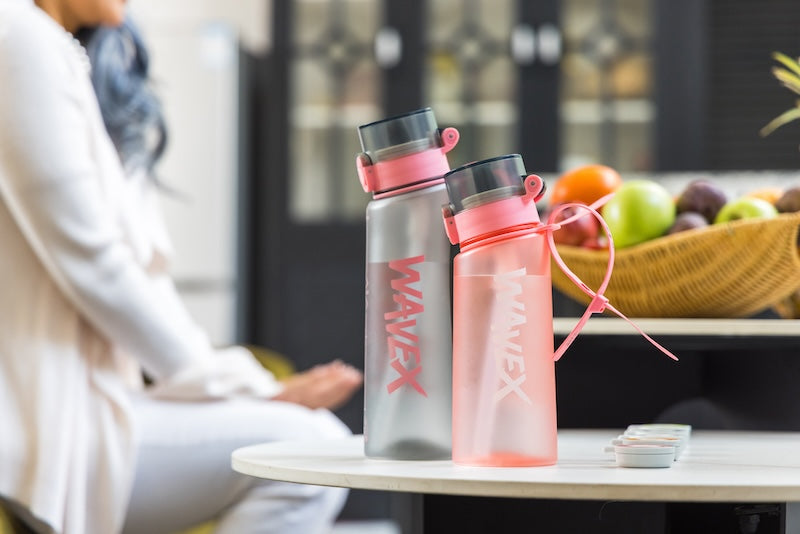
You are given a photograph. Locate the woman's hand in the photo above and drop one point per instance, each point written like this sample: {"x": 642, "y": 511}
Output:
{"x": 324, "y": 386}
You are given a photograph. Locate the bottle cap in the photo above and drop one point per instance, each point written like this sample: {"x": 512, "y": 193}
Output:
{"x": 399, "y": 136}
{"x": 481, "y": 182}
{"x": 644, "y": 455}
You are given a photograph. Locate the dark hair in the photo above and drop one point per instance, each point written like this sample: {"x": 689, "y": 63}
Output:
{"x": 130, "y": 107}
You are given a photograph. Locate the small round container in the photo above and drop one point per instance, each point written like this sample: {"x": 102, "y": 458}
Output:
{"x": 647, "y": 456}
{"x": 672, "y": 441}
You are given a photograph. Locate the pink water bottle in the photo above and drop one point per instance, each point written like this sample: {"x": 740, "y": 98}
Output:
{"x": 504, "y": 395}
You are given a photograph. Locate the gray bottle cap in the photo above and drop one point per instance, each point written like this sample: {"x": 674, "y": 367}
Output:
{"x": 400, "y": 135}
{"x": 485, "y": 181}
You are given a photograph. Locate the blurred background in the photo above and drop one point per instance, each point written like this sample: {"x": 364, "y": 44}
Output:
{"x": 263, "y": 99}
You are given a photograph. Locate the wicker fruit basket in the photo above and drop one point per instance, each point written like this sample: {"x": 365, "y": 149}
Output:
{"x": 734, "y": 269}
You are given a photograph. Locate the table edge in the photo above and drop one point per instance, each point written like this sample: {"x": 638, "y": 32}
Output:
{"x": 631, "y": 491}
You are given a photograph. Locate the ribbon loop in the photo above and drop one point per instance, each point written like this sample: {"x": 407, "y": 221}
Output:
{"x": 599, "y": 302}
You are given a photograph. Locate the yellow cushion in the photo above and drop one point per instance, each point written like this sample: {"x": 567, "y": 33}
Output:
{"x": 275, "y": 362}
{"x": 5, "y": 526}
{"x": 205, "y": 528}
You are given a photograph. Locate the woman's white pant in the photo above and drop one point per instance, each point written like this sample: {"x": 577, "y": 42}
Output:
{"x": 184, "y": 475}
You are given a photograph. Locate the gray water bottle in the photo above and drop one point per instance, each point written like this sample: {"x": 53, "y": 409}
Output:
{"x": 408, "y": 355}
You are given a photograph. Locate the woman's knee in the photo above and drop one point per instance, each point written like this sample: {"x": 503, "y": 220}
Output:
{"x": 307, "y": 424}
{"x": 330, "y": 426}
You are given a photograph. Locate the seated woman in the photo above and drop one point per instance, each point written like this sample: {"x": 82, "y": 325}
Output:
{"x": 88, "y": 305}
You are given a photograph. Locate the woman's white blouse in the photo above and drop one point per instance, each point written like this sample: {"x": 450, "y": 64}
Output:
{"x": 84, "y": 299}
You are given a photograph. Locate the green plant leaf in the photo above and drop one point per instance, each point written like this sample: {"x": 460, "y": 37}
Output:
{"x": 785, "y": 117}
{"x": 791, "y": 64}
{"x": 790, "y": 80}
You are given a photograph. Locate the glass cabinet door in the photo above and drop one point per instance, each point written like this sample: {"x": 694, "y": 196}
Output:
{"x": 606, "y": 98}
{"x": 469, "y": 76}
{"x": 335, "y": 85}
{"x": 491, "y": 69}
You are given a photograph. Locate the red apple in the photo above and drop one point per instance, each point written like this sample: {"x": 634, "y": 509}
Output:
{"x": 582, "y": 230}
{"x": 596, "y": 243}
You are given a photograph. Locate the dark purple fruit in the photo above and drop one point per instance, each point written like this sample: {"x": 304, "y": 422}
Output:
{"x": 789, "y": 201}
{"x": 688, "y": 220}
{"x": 703, "y": 197}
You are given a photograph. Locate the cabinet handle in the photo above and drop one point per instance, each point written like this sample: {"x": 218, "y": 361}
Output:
{"x": 549, "y": 40}
{"x": 388, "y": 47}
{"x": 528, "y": 44}
{"x": 523, "y": 44}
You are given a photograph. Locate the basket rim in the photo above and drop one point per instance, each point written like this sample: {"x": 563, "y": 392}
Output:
{"x": 687, "y": 235}
{"x": 775, "y": 239}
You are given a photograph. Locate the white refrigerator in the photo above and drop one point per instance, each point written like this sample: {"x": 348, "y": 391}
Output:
{"x": 195, "y": 68}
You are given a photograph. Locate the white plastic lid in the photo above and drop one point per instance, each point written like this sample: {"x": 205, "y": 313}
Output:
{"x": 647, "y": 456}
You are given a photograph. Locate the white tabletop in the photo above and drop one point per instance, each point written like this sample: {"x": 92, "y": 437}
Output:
{"x": 718, "y": 466}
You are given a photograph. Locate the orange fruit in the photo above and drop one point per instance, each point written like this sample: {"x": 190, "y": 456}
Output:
{"x": 584, "y": 184}
{"x": 770, "y": 194}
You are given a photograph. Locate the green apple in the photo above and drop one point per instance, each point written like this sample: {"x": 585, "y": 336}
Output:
{"x": 639, "y": 210}
{"x": 746, "y": 208}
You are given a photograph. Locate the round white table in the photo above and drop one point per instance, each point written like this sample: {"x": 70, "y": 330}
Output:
{"x": 717, "y": 467}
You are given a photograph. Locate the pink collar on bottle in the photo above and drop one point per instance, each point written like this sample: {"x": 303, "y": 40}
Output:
{"x": 492, "y": 217}
{"x": 406, "y": 173}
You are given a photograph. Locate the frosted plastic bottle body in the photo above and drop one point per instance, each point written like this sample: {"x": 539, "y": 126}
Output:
{"x": 504, "y": 397}
{"x": 504, "y": 393}
{"x": 407, "y": 383}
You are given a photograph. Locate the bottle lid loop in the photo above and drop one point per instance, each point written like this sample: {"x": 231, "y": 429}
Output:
{"x": 599, "y": 302}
